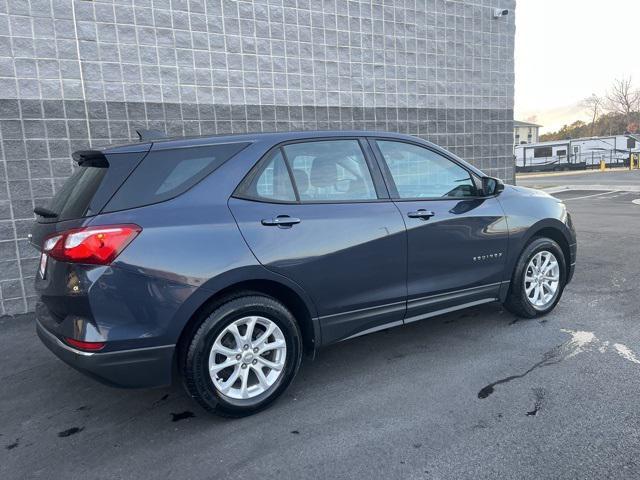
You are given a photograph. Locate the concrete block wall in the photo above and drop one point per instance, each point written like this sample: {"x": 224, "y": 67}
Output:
{"x": 78, "y": 73}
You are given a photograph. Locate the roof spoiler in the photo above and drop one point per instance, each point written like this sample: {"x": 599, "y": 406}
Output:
{"x": 91, "y": 158}
{"x": 149, "y": 135}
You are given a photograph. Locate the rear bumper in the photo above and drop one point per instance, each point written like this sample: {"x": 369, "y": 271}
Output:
{"x": 135, "y": 368}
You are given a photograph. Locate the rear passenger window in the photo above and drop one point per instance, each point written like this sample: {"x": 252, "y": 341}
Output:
{"x": 165, "y": 174}
{"x": 272, "y": 181}
{"x": 330, "y": 170}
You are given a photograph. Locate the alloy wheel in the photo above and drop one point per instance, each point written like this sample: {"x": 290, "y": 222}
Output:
{"x": 542, "y": 279}
{"x": 247, "y": 357}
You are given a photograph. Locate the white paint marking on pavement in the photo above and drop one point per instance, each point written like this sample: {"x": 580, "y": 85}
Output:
{"x": 580, "y": 341}
{"x": 636, "y": 201}
{"x": 615, "y": 195}
{"x": 586, "y": 196}
{"x": 625, "y": 352}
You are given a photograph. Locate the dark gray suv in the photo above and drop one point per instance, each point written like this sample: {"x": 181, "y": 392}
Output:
{"x": 222, "y": 259}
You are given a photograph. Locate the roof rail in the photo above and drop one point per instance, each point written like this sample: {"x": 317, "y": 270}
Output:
{"x": 148, "y": 135}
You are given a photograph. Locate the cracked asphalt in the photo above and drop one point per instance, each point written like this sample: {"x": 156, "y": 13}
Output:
{"x": 474, "y": 394}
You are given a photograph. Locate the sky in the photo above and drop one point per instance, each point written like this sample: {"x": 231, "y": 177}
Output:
{"x": 568, "y": 49}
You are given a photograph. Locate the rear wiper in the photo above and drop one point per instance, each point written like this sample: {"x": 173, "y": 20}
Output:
{"x": 45, "y": 212}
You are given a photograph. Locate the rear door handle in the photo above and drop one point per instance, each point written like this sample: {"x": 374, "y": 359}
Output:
{"x": 280, "y": 221}
{"x": 422, "y": 213}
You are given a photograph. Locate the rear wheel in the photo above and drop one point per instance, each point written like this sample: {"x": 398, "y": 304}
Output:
{"x": 538, "y": 280}
{"x": 243, "y": 356}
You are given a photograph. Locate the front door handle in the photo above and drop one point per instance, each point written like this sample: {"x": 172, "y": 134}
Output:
{"x": 422, "y": 213}
{"x": 280, "y": 221}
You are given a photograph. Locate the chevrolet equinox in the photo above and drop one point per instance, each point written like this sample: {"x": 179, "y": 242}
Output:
{"x": 222, "y": 259}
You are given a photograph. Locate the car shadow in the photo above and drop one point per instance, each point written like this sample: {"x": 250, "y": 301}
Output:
{"x": 48, "y": 396}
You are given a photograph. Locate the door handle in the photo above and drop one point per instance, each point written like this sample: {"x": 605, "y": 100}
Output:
{"x": 422, "y": 213}
{"x": 280, "y": 221}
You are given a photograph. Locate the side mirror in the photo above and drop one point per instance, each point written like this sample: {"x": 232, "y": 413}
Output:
{"x": 491, "y": 186}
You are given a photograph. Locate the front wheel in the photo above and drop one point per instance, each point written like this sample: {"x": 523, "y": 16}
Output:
{"x": 243, "y": 356}
{"x": 538, "y": 279}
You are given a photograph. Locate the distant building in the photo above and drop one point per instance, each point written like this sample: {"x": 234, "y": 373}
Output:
{"x": 578, "y": 153}
{"x": 525, "y": 132}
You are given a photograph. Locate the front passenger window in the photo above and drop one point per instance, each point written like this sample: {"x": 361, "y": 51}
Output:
{"x": 422, "y": 173}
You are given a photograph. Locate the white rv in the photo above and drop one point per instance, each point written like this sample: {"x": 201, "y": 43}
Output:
{"x": 579, "y": 153}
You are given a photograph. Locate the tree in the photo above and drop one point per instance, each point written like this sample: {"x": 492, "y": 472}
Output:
{"x": 616, "y": 113}
{"x": 606, "y": 124}
{"x": 592, "y": 104}
{"x": 623, "y": 98}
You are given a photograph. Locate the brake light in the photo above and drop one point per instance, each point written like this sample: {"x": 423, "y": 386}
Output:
{"x": 94, "y": 245}
{"x": 87, "y": 346}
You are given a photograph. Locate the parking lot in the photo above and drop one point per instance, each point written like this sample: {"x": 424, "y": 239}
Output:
{"x": 474, "y": 394}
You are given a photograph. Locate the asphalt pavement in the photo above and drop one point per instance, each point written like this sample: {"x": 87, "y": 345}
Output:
{"x": 474, "y": 394}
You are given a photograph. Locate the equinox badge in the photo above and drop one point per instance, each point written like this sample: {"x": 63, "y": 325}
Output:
{"x": 489, "y": 256}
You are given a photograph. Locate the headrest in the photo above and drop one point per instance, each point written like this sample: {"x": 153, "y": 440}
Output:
{"x": 324, "y": 171}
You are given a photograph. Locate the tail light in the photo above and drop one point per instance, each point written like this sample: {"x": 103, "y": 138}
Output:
{"x": 94, "y": 245}
{"x": 86, "y": 346}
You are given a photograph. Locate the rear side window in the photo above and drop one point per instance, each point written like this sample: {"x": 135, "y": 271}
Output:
{"x": 74, "y": 198}
{"x": 165, "y": 174}
{"x": 270, "y": 181}
{"x": 273, "y": 181}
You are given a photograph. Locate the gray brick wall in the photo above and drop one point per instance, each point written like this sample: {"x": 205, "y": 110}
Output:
{"x": 75, "y": 73}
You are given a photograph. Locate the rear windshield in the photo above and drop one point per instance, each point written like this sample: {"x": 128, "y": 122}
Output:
{"x": 74, "y": 198}
{"x": 91, "y": 185}
{"x": 165, "y": 174}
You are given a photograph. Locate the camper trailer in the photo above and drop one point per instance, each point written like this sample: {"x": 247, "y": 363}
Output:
{"x": 579, "y": 153}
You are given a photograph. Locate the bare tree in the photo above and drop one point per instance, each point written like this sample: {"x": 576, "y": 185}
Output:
{"x": 593, "y": 105}
{"x": 623, "y": 98}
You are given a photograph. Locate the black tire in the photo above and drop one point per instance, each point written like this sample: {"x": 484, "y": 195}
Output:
{"x": 195, "y": 370}
{"x": 517, "y": 301}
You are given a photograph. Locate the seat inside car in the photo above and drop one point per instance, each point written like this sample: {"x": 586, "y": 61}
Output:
{"x": 330, "y": 175}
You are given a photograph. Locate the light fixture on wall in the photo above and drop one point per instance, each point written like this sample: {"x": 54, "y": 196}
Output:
{"x": 500, "y": 12}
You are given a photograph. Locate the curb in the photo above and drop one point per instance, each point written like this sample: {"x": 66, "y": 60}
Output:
{"x": 571, "y": 172}
{"x": 603, "y": 188}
